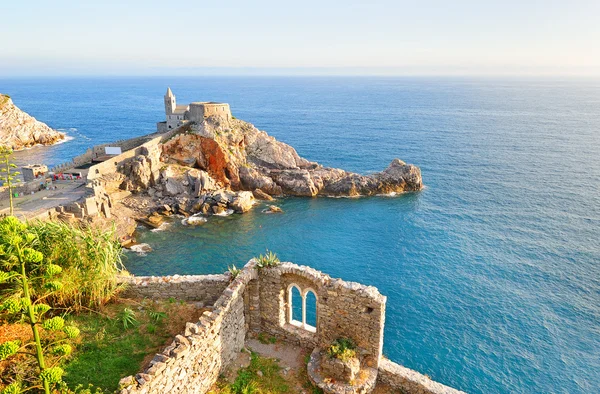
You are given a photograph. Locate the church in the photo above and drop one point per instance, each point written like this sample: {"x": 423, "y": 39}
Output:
{"x": 178, "y": 115}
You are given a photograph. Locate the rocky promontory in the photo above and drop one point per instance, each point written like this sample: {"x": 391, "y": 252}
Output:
{"x": 19, "y": 130}
{"x": 220, "y": 165}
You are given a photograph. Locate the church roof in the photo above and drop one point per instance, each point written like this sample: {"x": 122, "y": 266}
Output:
{"x": 169, "y": 93}
{"x": 181, "y": 109}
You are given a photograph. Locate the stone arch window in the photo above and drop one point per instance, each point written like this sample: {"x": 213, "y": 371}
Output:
{"x": 304, "y": 315}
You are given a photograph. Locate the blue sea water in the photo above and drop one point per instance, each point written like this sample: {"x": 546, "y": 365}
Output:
{"x": 492, "y": 272}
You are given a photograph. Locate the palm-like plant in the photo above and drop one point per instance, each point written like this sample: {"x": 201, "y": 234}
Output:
{"x": 7, "y": 172}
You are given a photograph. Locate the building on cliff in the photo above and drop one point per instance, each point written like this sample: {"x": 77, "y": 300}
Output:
{"x": 177, "y": 115}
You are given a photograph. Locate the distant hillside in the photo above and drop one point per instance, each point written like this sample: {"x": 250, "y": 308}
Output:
{"x": 19, "y": 130}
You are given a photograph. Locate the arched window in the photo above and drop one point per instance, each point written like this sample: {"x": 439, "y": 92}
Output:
{"x": 295, "y": 302}
{"x": 302, "y": 308}
{"x": 310, "y": 309}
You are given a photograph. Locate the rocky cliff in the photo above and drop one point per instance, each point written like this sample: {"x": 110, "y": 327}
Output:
{"x": 238, "y": 155}
{"x": 19, "y": 130}
{"x": 217, "y": 165}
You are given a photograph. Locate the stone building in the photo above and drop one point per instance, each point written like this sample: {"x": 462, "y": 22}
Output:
{"x": 177, "y": 115}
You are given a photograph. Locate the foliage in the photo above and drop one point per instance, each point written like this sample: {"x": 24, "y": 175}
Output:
{"x": 343, "y": 349}
{"x": 157, "y": 316}
{"x": 8, "y": 173}
{"x": 127, "y": 318}
{"x": 263, "y": 338}
{"x": 249, "y": 380}
{"x": 268, "y": 260}
{"x": 88, "y": 260}
{"x": 108, "y": 352}
{"x": 29, "y": 279}
{"x": 233, "y": 272}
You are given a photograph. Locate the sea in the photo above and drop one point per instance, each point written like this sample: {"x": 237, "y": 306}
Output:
{"x": 492, "y": 272}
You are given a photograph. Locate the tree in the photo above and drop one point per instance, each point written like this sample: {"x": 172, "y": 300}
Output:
{"x": 7, "y": 172}
{"x": 31, "y": 279}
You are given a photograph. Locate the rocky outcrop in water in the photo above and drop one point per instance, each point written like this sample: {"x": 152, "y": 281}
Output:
{"x": 18, "y": 130}
{"x": 239, "y": 156}
{"x": 219, "y": 166}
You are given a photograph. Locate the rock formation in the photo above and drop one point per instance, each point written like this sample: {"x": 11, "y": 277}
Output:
{"x": 238, "y": 155}
{"x": 221, "y": 165}
{"x": 19, "y": 130}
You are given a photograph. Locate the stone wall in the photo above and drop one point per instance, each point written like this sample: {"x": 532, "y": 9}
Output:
{"x": 258, "y": 301}
{"x": 408, "y": 381}
{"x": 193, "y": 361}
{"x": 199, "y": 111}
{"x": 344, "y": 309}
{"x": 203, "y": 288}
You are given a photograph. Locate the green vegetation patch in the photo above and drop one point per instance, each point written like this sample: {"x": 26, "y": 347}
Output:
{"x": 122, "y": 340}
{"x": 262, "y": 376}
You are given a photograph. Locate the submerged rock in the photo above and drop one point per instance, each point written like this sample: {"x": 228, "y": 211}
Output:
{"x": 273, "y": 209}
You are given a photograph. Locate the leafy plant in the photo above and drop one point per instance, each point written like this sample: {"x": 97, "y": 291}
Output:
{"x": 29, "y": 279}
{"x": 268, "y": 260}
{"x": 89, "y": 259}
{"x": 156, "y": 315}
{"x": 127, "y": 318}
{"x": 233, "y": 272}
{"x": 343, "y": 349}
{"x": 9, "y": 174}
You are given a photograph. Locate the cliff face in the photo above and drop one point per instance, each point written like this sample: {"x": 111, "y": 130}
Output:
{"x": 19, "y": 130}
{"x": 241, "y": 157}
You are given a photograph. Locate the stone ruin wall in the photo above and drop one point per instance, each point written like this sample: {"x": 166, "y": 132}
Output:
{"x": 256, "y": 301}
{"x": 193, "y": 361}
{"x": 344, "y": 309}
{"x": 201, "y": 288}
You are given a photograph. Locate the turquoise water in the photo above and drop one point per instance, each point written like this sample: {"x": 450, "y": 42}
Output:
{"x": 492, "y": 272}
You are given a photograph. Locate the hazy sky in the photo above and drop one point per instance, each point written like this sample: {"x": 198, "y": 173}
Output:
{"x": 316, "y": 37}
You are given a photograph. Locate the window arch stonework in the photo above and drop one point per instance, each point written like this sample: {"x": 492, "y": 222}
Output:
{"x": 304, "y": 291}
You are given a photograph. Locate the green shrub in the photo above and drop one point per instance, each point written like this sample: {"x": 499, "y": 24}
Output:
{"x": 268, "y": 260}
{"x": 343, "y": 349}
{"x": 89, "y": 261}
{"x": 127, "y": 318}
{"x": 233, "y": 272}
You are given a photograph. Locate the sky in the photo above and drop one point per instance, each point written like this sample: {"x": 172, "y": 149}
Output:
{"x": 377, "y": 37}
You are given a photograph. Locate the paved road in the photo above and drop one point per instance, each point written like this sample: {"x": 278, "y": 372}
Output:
{"x": 33, "y": 205}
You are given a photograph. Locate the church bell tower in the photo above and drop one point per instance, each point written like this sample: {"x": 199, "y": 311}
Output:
{"x": 170, "y": 102}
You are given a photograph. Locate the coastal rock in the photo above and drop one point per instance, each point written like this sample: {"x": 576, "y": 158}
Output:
{"x": 211, "y": 161}
{"x": 242, "y": 202}
{"x": 260, "y": 195}
{"x": 252, "y": 179}
{"x": 19, "y": 130}
{"x": 273, "y": 209}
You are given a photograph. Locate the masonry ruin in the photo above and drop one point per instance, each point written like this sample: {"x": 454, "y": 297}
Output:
{"x": 259, "y": 300}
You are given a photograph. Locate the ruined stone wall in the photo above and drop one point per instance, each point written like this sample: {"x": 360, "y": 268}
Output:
{"x": 203, "y": 288}
{"x": 257, "y": 300}
{"x": 193, "y": 362}
{"x": 344, "y": 309}
{"x": 408, "y": 381}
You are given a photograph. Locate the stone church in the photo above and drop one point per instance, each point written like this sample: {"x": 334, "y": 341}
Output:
{"x": 177, "y": 115}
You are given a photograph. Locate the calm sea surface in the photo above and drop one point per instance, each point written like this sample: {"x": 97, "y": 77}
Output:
{"x": 492, "y": 272}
